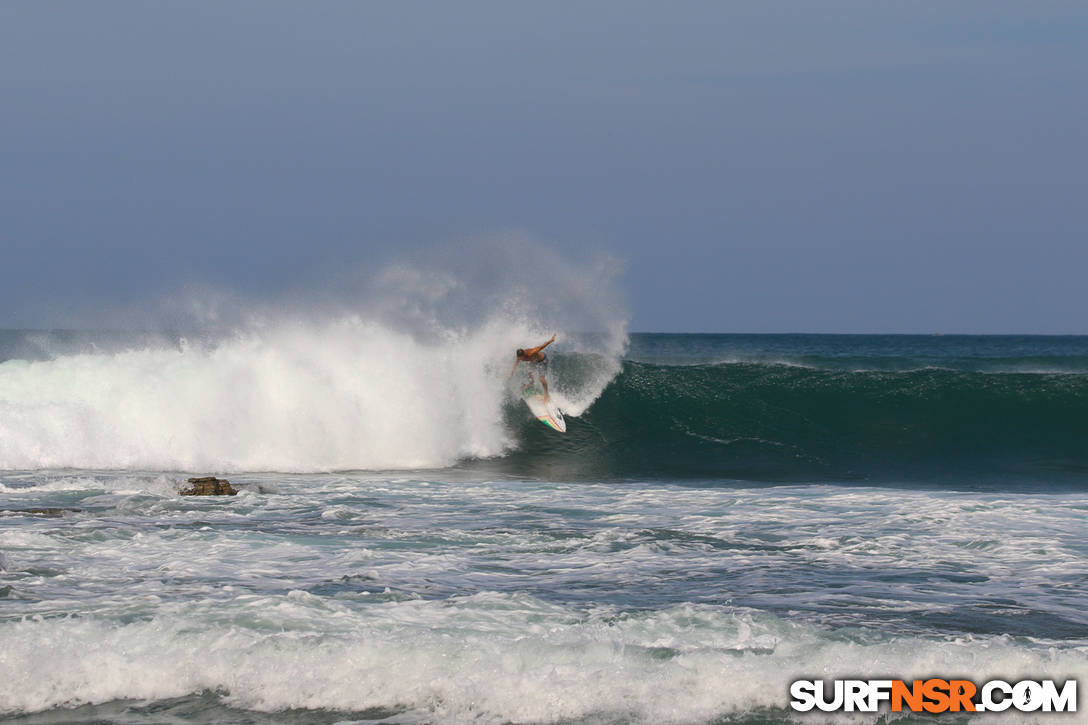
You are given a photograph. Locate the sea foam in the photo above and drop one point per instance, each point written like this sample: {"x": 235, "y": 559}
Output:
{"x": 485, "y": 658}
{"x": 345, "y": 394}
{"x": 410, "y": 374}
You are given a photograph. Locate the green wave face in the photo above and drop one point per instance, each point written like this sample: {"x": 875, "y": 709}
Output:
{"x": 778, "y": 422}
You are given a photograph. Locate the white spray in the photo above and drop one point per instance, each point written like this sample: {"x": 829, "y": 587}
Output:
{"x": 410, "y": 374}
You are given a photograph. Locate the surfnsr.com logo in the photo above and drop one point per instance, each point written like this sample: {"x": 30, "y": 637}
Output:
{"x": 933, "y": 696}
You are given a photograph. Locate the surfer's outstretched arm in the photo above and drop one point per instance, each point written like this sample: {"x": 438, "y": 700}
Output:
{"x": 534, "y": 350}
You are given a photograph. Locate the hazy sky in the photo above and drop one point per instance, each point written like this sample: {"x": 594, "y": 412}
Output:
{"x": 759, "y": 166}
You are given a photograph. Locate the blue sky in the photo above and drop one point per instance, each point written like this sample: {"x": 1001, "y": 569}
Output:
{"x": 758, "y": 166}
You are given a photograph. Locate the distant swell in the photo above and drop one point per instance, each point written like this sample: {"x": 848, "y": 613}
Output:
{"x": 784, "y": 422}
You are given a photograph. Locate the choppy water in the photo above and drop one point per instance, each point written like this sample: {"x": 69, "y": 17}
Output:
{"x": 871, "y": 530}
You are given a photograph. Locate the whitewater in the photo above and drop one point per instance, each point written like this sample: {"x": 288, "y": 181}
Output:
{"x": 726, "y": 514}
{"x": 406, "y": 369}
{"x": 348, "y": 394}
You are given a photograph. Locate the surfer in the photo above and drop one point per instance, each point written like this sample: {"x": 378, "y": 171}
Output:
{"x": 538, "y": 364}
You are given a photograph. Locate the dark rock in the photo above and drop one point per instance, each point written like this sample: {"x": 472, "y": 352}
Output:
{"x": 209, "y": 486}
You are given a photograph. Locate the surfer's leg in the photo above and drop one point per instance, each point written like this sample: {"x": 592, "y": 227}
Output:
{"x": 544, "y": 382}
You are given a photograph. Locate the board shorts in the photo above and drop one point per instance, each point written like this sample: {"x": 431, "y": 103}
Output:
{"x": 538, "y": 369}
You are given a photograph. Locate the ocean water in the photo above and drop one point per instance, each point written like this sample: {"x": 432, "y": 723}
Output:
{"x": 727, "y": 513}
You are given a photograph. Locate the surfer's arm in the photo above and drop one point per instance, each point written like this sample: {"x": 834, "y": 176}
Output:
{"x": 516, "y": 361}
{"x": 534, "y": 350}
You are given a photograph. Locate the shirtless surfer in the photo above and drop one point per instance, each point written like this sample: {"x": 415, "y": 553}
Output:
{"x": 538, "y": 364}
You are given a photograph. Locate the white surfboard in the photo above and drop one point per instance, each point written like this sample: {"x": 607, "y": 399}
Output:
{"x": 545, "y": 411}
